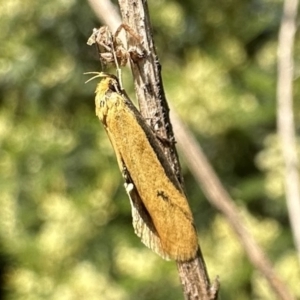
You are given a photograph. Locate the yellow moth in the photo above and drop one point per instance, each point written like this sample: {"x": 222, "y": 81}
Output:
{"x": 161, "y": 214}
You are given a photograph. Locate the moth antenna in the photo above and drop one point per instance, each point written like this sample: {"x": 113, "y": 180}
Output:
{"x": 98, "y": 74}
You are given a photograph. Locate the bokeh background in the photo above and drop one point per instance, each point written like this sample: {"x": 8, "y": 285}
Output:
{"x": 65, "y": 220}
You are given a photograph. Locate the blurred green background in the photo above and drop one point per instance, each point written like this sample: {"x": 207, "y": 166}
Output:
{"x": 65, "y": 221}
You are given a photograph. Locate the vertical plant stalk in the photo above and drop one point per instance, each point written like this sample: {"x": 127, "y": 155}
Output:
{"x": 285, "y": 117}
{"x": 153, "y": 106}
{"x": 107, "y": 12}
{"x": 147, "y": 78}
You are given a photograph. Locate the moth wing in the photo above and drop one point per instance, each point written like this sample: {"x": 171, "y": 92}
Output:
{"x": 141, "y": 220}
{"x": 142, "y": 223}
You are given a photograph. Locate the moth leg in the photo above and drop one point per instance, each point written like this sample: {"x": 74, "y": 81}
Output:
{"x": 128, "y": 187}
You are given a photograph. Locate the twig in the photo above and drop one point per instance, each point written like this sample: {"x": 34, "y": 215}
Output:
{"x": 154, "y": 107}
{"x": 147, "y": 78}
{"x": 285, "y": 118}
{"x": 218, "y": 197}
{"x": 107, "y": 13}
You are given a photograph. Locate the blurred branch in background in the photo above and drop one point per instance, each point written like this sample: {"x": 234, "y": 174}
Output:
{"x": 107, "y": 12}
{"x": 211, "y": 185}
{"x": 219, "y": 198}
{"x": 285, "y": 116}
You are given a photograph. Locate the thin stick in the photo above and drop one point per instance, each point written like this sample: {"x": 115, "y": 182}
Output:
{"x": 146, "y": 72}
{"x": 285, "y": 116}
{"x": 219, "y": 198}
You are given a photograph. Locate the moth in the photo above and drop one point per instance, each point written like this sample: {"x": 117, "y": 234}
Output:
{"x": 161, "y": 214}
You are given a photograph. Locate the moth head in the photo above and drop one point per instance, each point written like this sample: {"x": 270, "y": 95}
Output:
{"x": 108, "y": 82}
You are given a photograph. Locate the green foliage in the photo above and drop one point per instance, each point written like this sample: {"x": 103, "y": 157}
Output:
{"x": 65, "y": 223}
